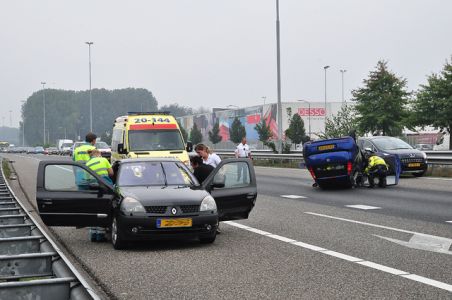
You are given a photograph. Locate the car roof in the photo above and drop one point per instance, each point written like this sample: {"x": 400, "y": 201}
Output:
{"x": 152, "y": 159}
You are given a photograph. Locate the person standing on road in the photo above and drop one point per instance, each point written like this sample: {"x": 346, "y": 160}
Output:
{"x": 81, "y": 155}
{"x": 200, "y": 169}
{"x": 242, "y": 151}
{"x": 208, "y": 157}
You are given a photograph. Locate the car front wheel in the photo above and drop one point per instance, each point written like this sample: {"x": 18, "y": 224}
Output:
{"x": 116, "y": 238}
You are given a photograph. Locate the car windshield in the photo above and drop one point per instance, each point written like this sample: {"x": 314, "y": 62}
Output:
{"x": 101, "y": 145}
{"x": 391, "y": 143}
{"x": 155, "y": 140}
{"x": 66, "y": 145}
{"x": 151, "y": 173}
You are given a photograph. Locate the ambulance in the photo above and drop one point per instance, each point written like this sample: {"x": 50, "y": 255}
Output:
{"x": 148, "y": 134}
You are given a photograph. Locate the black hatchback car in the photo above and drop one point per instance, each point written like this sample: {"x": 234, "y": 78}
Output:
{"x": 413, "y": 161}
{"x": 153, "y": 198}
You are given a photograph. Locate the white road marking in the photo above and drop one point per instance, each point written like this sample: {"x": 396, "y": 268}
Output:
{"x": 365, "y": 207}
{"x": 352, "y": 259}
{"x": 437, "y": 178}
{"x": 448, "y": 221}
{"x": 424, "y": 242}
{"x": 293, "y": 196}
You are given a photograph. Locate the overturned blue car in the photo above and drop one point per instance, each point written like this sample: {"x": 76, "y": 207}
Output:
{"x": 339, "y": 162}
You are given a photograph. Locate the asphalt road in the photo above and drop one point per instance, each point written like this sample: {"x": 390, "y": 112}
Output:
{"x": 299, "y": 242}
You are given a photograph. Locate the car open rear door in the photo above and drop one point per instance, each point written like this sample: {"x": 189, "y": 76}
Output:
{"x": 233, "y": 186}
{"x": 70, "y": 194}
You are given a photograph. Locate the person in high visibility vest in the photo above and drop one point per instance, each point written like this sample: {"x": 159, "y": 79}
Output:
{"x": 80, "y": 154}
{"x": 376, "y": 167}
{"x": 101, "y": 166}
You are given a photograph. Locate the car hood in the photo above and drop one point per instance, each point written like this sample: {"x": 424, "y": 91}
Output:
{"x": 405, "y": 153}
{"x": 158, "y": 195}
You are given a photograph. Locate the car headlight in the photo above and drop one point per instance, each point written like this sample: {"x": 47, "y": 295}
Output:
{"x": 208, "y": 203}
{"x": 424, "y": 155}
{"x": 130, "y": 205}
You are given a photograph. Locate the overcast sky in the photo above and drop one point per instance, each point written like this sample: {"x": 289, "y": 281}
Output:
{"x": 216, "y": 52}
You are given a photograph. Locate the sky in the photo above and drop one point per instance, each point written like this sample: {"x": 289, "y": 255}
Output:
{"x": 215, "y": 53}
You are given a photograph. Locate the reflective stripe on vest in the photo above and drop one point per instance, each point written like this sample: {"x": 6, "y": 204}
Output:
{"x": 98, "y": 165}
{"x": 81, "y": 153}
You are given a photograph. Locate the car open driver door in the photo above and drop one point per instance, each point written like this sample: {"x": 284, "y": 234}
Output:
{"x": 70, "y": 194}
{"x": 233, "y": 186}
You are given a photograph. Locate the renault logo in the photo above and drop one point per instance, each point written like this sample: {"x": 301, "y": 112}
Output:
{"x": 173, "y": 210}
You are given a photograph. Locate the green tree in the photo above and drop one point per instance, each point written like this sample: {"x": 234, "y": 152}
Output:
{"x": 264, "y": 132}
{"x": 341, "y": 124}
{"x": 214, "y": 135}
{"x": 296, "y": 132}
{"x": 183, "y": 131}
{"x": 381, "y": 103}
{"x": 237, "y": 131}
{"x": 177, "y": 110}
{"x": 195, "y": 135}
{"x": 433, "y": 103}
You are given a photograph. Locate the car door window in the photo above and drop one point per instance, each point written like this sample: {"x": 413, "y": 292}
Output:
{"x": 233, "y": 175}
{"x": 67, "y": 178}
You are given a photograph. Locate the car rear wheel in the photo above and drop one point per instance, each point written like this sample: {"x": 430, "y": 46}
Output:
{"x": 116, "y": 239}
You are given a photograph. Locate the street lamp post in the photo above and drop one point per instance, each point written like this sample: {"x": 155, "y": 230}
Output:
{"x": 325, "y": 68}
{"x": 309, "y": 115}
{"x": 44, "y": 112}
{"x": 278, "y": 67}
{"x": 23, "y": 124}
{"x": 10, "y": 119}
{"x": 90, "y": 96}
{"x": 342, "y": 74}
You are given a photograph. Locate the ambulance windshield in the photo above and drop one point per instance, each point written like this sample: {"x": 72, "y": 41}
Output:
{"x": 155, "y": 140}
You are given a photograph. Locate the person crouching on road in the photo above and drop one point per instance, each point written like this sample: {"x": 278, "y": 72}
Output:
{"x": 376, "y": 167}
{"x": 101, "y": 166}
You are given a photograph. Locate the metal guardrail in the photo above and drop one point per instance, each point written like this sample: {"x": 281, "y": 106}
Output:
{"x": 433, "y": 157}
{"x": 31, "y": 264}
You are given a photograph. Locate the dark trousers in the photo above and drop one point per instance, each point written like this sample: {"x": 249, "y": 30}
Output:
{"x": 379, "y": 171}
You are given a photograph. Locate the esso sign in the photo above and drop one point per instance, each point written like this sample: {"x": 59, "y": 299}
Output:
{"x": 314, "y": 112}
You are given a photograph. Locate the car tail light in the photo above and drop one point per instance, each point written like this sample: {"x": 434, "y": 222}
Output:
{"x": 312, "y": 172}
{"x": 349, "y": 167}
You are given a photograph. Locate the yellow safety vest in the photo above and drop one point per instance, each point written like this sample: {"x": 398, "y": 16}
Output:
{"x": 375, "y": 160}
{"x": 100, "y": 165}
{"x": 81, "y": 153}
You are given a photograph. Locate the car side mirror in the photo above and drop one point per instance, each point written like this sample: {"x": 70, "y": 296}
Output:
{"x": 121, "y": 149}
{"x": 368, "y": 149}
{"x": 218, "y": 185}
{"x": 189, "y": 147}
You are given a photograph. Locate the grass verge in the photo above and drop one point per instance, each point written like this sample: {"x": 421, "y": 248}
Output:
{"x": 6, "y": 168}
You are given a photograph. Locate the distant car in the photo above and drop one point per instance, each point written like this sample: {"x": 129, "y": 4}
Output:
{"x": 153, "y": 198}
{"x": 30, "y": 150}
{"x": 413, "y": 161}
{"x": 39, "y": 150}
{"x": 424, "y": 147}
{"x": 104, "y": 149}
{"x": 52, "y": 150}
{"x": 66, "y": 149}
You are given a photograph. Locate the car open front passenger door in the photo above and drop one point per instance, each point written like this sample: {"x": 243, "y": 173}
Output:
{"x": 233, "y": 186}
{"x": 70, "y": 194}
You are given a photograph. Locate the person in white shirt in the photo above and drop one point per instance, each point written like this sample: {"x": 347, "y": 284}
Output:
{"x": 208, "y": 157}
{"x": 242, "y": 151}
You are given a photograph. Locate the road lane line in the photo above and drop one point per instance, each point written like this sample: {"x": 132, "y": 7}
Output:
{"x": 448, "y": 221}
{"x": 362, "y": 223}
{"x": 360, "y": 206}
{"x": 293, "y": 196}
{"x": 352, "y": 259}
{"x": 382, "y": 268}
